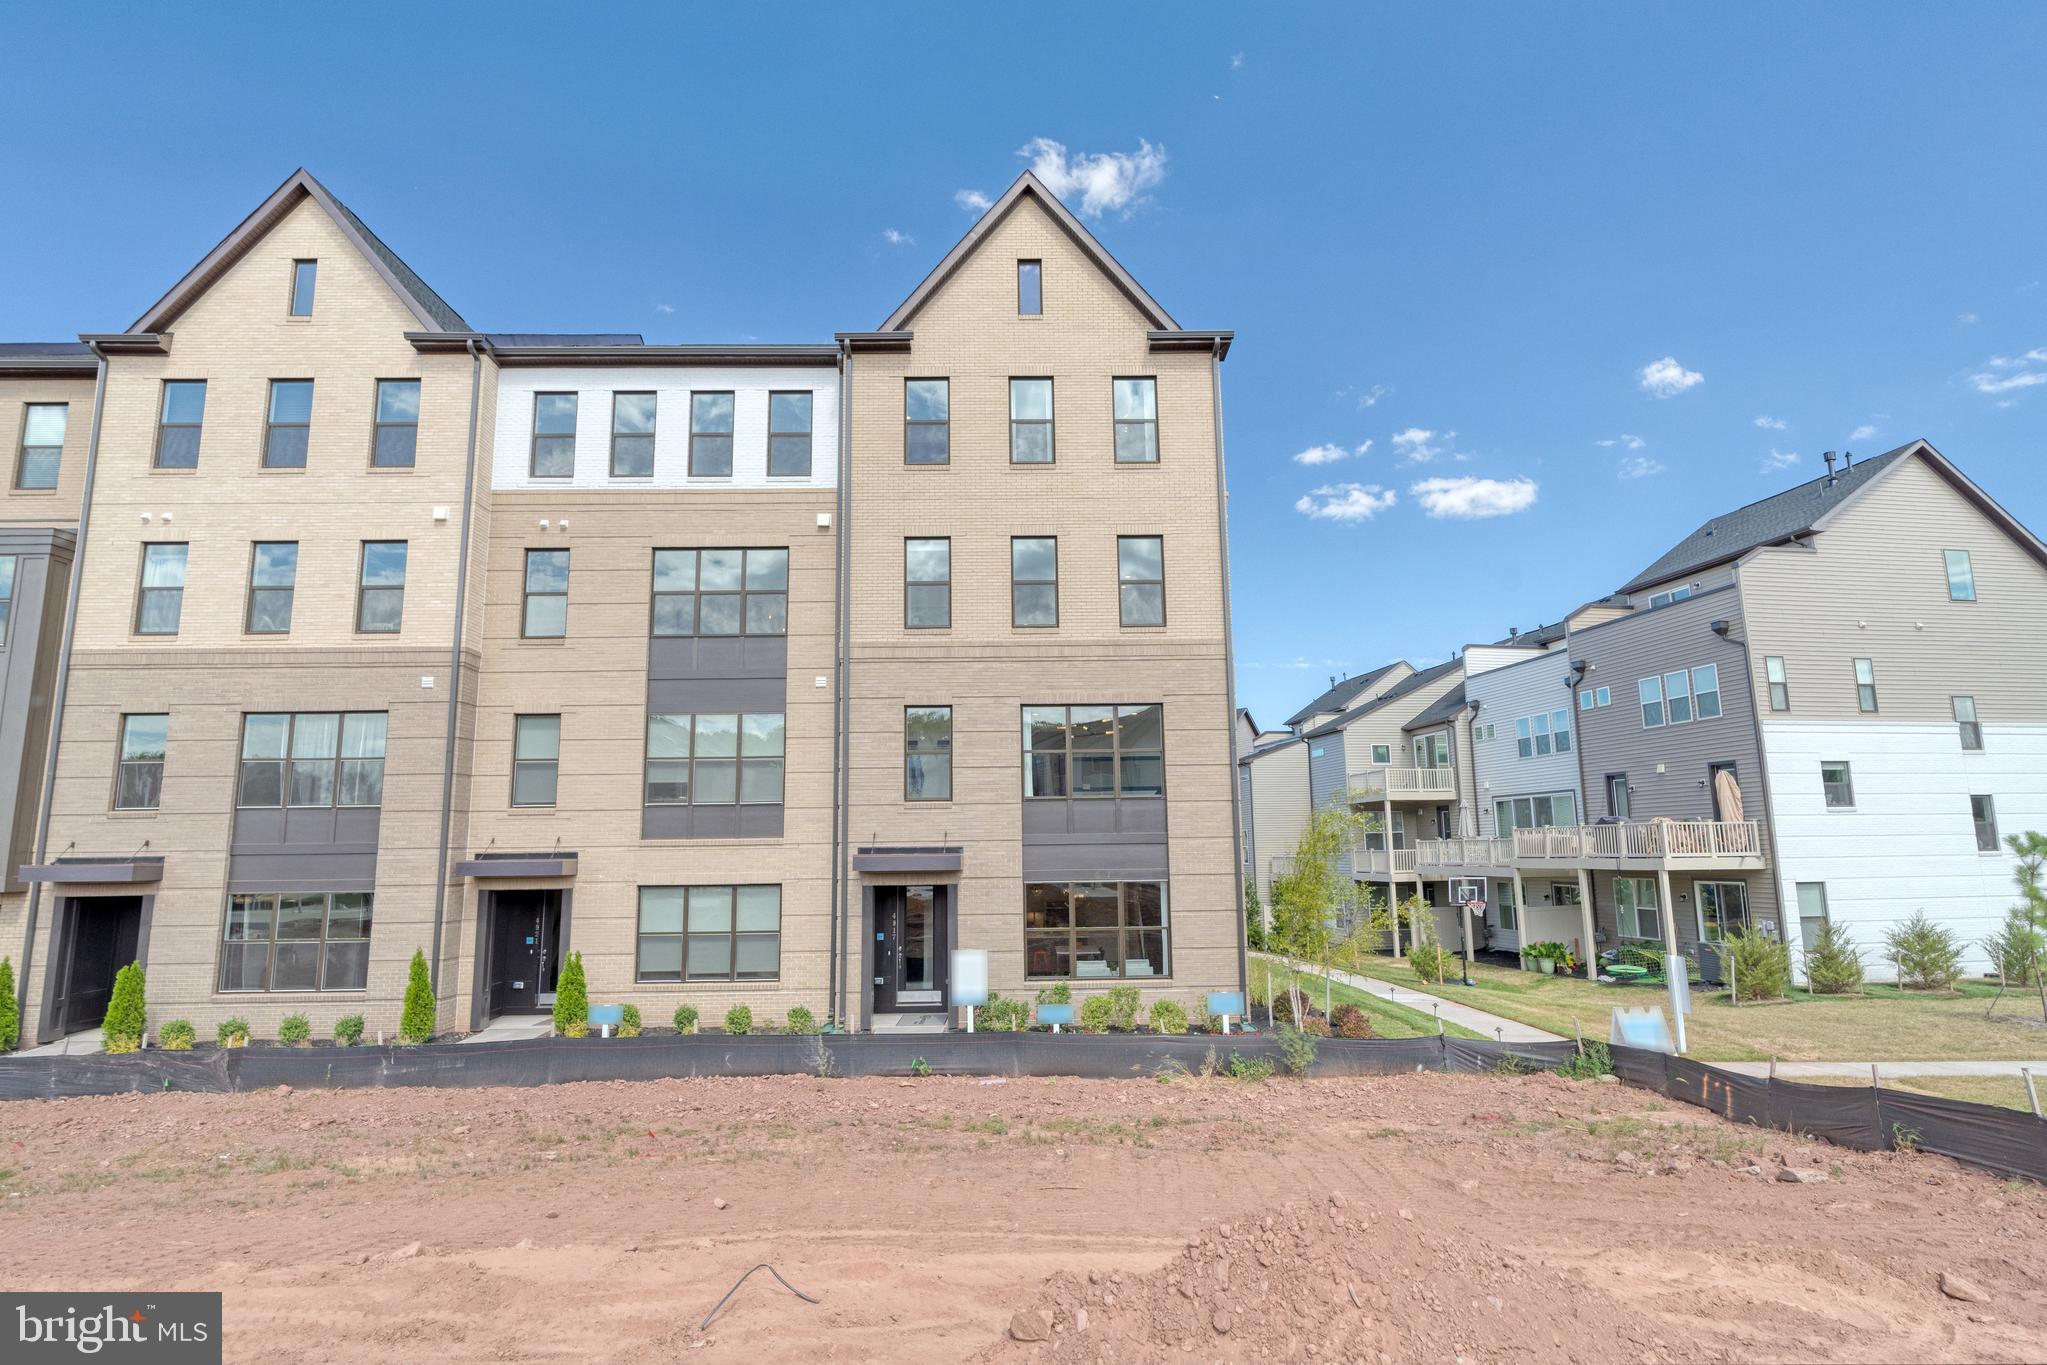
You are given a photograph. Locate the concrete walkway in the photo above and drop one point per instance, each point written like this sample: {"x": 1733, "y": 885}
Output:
{"x": 1449, "y": 1011}
{"x": 1793, "y": 1071}
{"x": 508, "y": 1028}
{"x": 74, "y": 1045}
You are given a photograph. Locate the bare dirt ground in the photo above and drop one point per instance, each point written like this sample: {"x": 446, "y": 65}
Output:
{"x": 1404, "y": 1219}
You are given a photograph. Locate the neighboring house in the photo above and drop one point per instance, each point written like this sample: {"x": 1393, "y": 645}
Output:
{"x": 753, "y": 674}
{"x": 1346, "y": 692}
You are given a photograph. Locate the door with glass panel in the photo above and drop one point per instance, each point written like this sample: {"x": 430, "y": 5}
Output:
{"x": 909, "y": 949}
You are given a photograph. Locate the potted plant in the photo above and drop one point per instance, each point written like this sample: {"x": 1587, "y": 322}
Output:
{"x": 1547, "y": 956}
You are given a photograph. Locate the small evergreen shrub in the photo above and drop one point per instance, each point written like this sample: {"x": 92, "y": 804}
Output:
{"x": 1096, "y": 1012}
{"x": 178, "y": 1035}
{"x": 10, "y": 1009}
{"x": 1761, "y": 966}
{"x": 1298, "y": 1046}
{"x": 348, "y": 1030}
{"x": 1168, "y": 1017}
{"x": 233, "y": 1033}
{"x": 2015, "y": 950}
{"x": 685, "y": 1018}
{"x": 1350, "y": 1022}
{"x": 739, "y": 1020}
{"x": 127, "y": 1013}
{"x": 1059, "y": 993}
{"x": 801, "y": 1020}
{"x": 572, "y": 999}
{"x": 1124, "y": 1002}
{"x": 629, "y": 1021}
{"x": 1833, "y": 964}
{"x": 295, "y": 1030}
{"x": 416, "y": 1021}
{"x": 1927, "y": 956}
{"x": 1001, "y": 1015}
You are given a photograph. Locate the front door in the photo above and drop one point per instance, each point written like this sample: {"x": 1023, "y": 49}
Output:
{"x": 909, "y": 949}
{"x": 524, "y": 951}
{"x": 101, "y": 936}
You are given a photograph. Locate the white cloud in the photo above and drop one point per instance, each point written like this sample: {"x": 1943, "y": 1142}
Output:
{"x": 2011, "y": 374}
{"x": 1107, "y": 182}
{"x": 1236, "y": 60}
{"x": 1369, "y": 398}
{"x": 664, "y": 308}
{"x": 1419, "y": 445}
{"x": 895, "y": 238}
{"x": 1779, "y": 459}
{"x": 1329, "y": 454}
{"x": 1966, "y": 319}
{"x": 1773, "y": 424}
{"x": 1625, "y": 441}
{"x": 973, "y": 201}
{"x": 1469, "y": 499}
{"x": 2005, "y": 383}
{"x": 1666, "y": 378}
{"x": 1862, "y": 433}
{"x": 1345, "y": 502}
{"x": 1638, "y": 467}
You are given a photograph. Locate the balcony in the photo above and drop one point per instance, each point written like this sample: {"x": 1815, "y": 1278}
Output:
{"x": 1453, "y": 855}
{"x": 1369, "y": 862}
{"x": 1644, "y": 845}
{"x": 1375, "y": 785}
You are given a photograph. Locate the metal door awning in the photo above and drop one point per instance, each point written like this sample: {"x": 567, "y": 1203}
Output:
{"x": 908, "y": 858}
{"x": 494, "y": 865}
{"x": 68, "y": 871}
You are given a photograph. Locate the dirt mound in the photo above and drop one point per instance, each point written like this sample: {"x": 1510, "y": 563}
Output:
{"x": 1333, "y": 1283}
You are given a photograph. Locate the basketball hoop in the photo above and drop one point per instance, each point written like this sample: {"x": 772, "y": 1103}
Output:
{"x": 1469, "y": 892}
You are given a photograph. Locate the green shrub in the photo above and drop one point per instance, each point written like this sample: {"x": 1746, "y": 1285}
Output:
{"x": 1298, "y": 1045}
{"x": 629, "y": 1021}
{"x": 1833, "y": 964}
{"x": 348, "y": 1030}
{"x": 416, "y": 1021}
{"x": 1349, "y": 1021}
{"x": 1244, "y": 1068}
{"x": 1000, "y": 1015}
{"x": 1124, "y": 1002}
{"x": 739, "y": 1020}
{"x": 233, "y": 1033}
{"x": 2015, "y": 950}
{"x": 127, "y": 1014}
{"x": 1059, "y": 993}
{"x": 1254, "y": 917}
{"x": 1096, "y": 1012}
{"x": 10, "y": 1008}
{"x": 1761, "y": 966}
{"x": 177, "y": 1035}
{"x": 1432, "y": 962}
{"x": 801, "y": 1020}
{"x": 572, "y": 999}
{"x": 1168, "y": 1017}
{"x": 1595, "y": 1060}
{"x": 1927, "y": 956}
{"x": 295, "y": 1030}
{"x": 685, "y": 1018}
{"x": 919, "y": 1067}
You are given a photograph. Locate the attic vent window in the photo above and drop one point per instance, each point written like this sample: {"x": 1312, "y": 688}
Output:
{"x": 1030, "y": 294}
{"x": 303, "y": 273}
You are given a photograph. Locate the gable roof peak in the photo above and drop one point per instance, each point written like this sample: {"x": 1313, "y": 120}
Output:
{"x": 1025, "y": 185}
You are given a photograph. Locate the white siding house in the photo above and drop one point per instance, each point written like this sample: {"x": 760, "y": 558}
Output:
{"x": 1512, "y": 689}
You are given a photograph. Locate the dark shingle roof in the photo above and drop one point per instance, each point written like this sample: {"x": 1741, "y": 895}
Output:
{"x": 1406, "y": 685}
{"x": 408, "y": 279}
{"x": 1447, "y": 706}
{"x": 1341, "y": 694}
{"x": 1779, "y": 518}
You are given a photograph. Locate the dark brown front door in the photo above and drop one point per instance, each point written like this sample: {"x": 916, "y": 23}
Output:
{"x": 524, "y": 950}
{"x": 909, "y": 949}
{"x": 101, "y": 934}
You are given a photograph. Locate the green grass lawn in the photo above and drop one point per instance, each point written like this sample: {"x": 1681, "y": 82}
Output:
{"x": 1880, "y": 1024}
{"x": 2008, "y": 1092}
{"x": 1388, "y": 1019}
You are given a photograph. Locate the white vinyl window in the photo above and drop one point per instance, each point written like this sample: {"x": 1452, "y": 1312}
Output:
{"x": 1635, "y": 903}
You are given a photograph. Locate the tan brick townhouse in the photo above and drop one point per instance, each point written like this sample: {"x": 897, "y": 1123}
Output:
{"x": 754, "y": 674}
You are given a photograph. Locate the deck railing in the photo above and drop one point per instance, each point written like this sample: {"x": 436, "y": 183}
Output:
{"x": 1376, "y": 784}
{"x": 1465, "y": 852}
{"x": 1670, "y": 840}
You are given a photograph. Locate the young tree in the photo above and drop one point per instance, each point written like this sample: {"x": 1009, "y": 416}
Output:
{"x": 1308, "y": 896}
{"x": 2031, "y": 876}
{"x": 572, "y": 999}
{"x": 127, "y": 1011}
{"x": 10, "y": 1009}
{"x": 416, "y": 1023}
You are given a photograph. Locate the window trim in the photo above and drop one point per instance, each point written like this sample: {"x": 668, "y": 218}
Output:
{"x": 1015, "y": 583}
{"x": 1970, "y": 729}
{"x": 275, "y": 898}
{"x": 1038, "y": 277}
{"x": 534, "y": 434}
{"x": 909, "y": 422}
{"x": 1699, "y": 906}
{"x": 291, "y": 591}
{"x": 1644, "y": 701}
{"x": 1123, "y": 929}
{"x": 122, "y": 762}
{"x": 809, "y": 433}
{"x": 1847, "y": 783}
{"x": 271, "y": 425}
{"x": 22, "y": 448}
{"x": 142, "y": 590}
{"x": 731, "y": 434}
{"x": 1627, "y": 793}
{"x": 652, "y": 435}
{"x": 1050, "y": 424}
{"x": 739, "y": 760}
{"x": 527, "y": 593}
{"x": 1778, "y": 687}
{"x": 363, "y": 588}
{"x": 908, "y": 754}
{"x": 378, "y": 425}
{"x": 1862, "y": 666}
{"x": 732, "y": 934}
{"x": 512, "y": 796}
{"x": 163, "y": 425}
{"x": 1968, "y": 564}
{"x": 1157, "y": 450}
{"x": 1115, "y": 751}
{"x": 1122, "y": 617}
{"x": 1989, "y": 815}
{"x": 1655, "y": 907}
{"x": 291, "y": 305}
{"x": 697, "y": 593}
{"x": 946, "y": 583}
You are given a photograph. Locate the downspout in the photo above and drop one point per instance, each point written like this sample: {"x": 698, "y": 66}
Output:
{"x": 455, "y": 669}
{"x": 35, "y": 889}
{"x": 1766, "y": 826}
{"x": 1222, "y": 534}
{"x": 836, "y": 1007}
{"x": 1586, "y": 889}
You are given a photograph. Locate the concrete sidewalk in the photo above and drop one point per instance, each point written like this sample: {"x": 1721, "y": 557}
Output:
{"x": 1449, "y": 1011}
{"x": 1793, "y": 1071}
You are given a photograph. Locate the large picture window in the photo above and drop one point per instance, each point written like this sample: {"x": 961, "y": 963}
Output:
{"x": 297, "y": 941}
{"x": 710, "y": 933}
{"x": 721, "y": 592}
{"x": 312, "y": 758}
{"x": 1094, "y": 751}
{"x": 715, "y": 760}
{"x": 1534, "y": 812}
{"x": 1094, "y": 930}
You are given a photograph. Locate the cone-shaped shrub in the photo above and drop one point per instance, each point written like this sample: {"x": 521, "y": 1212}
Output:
{"x": 127, "y": 1012}
{"x": 10, "y": 1010}
{"x": 572, "y": 1000}
{"x": 416, "y": 1024}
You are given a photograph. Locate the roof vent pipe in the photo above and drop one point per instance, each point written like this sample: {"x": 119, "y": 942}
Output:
{"x": 1829, "y": 458}
{"x": 1847, "y": 460}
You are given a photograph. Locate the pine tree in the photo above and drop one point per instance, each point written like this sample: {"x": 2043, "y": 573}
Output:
{"x": 416, "y": 1024}
{"x": 10, "y": 1009}
{"x": 572, "y": 1000}
{"x": 127, "y": 1012}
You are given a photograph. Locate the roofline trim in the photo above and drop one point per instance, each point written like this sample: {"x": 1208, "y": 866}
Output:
{"x": 1962, "y": 483}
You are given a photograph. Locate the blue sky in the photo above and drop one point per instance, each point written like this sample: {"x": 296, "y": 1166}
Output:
{"x": 1483, "y": 224}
